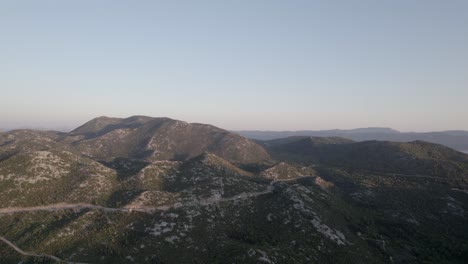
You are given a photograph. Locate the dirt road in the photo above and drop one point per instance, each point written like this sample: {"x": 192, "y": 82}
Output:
{"x": 145, "y": 209}
{"x": 32, "y": 254}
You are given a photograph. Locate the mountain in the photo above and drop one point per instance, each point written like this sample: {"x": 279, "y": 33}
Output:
{"x": 453, "y": 139}
{"x": 160, "y": 139}
{"x": 158, "y": 190}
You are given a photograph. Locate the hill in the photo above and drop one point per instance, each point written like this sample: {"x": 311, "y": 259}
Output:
{"x": 160, "y": 139}
{"x": 158, "y": 190}
{"x": 453, "y": 139}
{"x": 416, "y": 158}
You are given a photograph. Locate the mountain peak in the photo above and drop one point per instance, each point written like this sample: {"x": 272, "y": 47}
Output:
{"x": 139, "y": 118}
{"x": 163, "y": 138}
{"x": 95, "y": 125}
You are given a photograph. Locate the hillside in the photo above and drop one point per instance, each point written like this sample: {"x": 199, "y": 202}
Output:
{"x": 158, "y": 190}
{"x": 416, "y": 158}
{"x": 160, "y": 139}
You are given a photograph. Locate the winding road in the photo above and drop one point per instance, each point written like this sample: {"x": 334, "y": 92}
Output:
{"x": 130, "y": 208}
{"x": 81, "y": 206}
{"x": 32, "y": 254}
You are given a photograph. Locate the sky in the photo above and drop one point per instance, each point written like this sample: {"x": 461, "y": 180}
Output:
{"x": 239, "y": 65}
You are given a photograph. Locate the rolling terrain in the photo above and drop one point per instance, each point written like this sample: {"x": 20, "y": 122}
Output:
{"x": 158, "y": 190}
{"x": 454, "y": 139}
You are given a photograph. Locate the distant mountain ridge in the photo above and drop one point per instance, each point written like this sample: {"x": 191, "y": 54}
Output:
{"x": 457, "y": 139}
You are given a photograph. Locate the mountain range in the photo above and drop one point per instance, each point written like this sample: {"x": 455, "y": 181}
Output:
{"x": 456, "y": 139}
{"x": 158, "y": 190}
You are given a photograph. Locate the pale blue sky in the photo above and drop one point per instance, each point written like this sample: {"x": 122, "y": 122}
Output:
{"x": 245, "y": 64}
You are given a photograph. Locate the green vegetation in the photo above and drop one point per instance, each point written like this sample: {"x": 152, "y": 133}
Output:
{"x": 193, "y": 193}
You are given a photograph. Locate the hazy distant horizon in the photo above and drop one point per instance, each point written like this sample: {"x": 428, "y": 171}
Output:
{"x": 239, "y": 65}
{"x": 66, "y": 127}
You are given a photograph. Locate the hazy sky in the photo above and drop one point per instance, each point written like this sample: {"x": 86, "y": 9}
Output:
{"x": 278, "y": 65}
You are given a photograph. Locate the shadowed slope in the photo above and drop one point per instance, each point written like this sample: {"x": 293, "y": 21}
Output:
{"x": 389, "y": 157}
